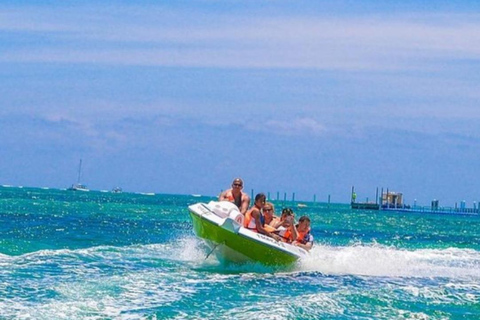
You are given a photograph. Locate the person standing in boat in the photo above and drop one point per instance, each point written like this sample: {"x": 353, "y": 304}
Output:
{"x": 236, "y": 196}
{"x": 254, "y": 219}
{"x": 304, "y": 238}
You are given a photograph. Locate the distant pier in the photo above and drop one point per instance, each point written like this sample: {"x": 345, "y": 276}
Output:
{"x": 365, "y": 206}
{"x": 393, "y": 201}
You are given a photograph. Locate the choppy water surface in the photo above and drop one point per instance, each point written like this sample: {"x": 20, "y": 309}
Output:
{"x": 94, "y": 255}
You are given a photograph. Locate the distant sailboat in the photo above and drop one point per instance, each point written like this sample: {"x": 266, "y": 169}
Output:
{"x": 78, "y": 186}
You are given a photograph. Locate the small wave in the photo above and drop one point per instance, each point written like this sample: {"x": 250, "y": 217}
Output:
{"x": 189, "y": 250}
{"x": 103, "y": 281}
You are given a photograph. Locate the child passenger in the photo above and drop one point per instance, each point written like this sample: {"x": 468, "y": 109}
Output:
{"x": 286, "y": 226}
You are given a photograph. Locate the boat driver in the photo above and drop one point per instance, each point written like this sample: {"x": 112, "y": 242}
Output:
{"x": 236, "y": 196}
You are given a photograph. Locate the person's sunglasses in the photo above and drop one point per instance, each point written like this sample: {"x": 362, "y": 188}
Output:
{"x": 237, "y": 185}
{"x": 267, "y": 210}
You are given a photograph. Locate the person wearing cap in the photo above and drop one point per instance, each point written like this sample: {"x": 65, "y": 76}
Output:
{"x": 236, "y": 196}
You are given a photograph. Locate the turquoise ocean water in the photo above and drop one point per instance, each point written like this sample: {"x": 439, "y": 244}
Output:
{"x": 99, "y": 255}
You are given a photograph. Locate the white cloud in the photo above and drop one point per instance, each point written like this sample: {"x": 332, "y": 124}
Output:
{"x": 165, "y": 38}
{"x": 297, "y": 126}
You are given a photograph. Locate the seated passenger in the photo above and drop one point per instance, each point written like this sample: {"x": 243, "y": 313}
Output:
{"x": 254, "y": 220}
{"x": 236, "y": 195}
{"x": 270, "y": 217}
{"x": 304, "y": 238}
{"x": 285, "y": 212}
{"x": 286, "y": 228}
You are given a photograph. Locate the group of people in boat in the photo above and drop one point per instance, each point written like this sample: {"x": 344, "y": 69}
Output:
{"x": 261, "y": 217}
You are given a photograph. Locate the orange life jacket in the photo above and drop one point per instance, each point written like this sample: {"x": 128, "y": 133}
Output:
{"x": 301, "y": 235}
{"x": 229, "y": 196}
{"x": 249, "y": 223}
{"x": 286, "y": 235}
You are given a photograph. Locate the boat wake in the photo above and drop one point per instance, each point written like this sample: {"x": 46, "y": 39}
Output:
{"x": 132, "y": 281}
{"x": 356, "y": 260}
{"x": 381, "y": 261}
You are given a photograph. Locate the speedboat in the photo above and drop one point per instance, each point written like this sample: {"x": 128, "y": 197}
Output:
{"x": 220, "y": 225}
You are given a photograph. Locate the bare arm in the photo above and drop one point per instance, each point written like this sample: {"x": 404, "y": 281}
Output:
{"x": 245, "y": 203}
{"x": 256, "y": 215}
{"x": 274, "y": 222}
{"x": 277, "y": 223}
{"x": 222, "y": 196}
{"x": 307, "y": 246}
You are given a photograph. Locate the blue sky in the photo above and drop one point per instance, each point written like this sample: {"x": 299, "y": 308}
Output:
{"x": 293, "y": 96}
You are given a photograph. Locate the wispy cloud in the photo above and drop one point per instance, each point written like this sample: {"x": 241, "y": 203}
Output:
{"x": 293, "y": 127}
{"x": 161, "y": 37}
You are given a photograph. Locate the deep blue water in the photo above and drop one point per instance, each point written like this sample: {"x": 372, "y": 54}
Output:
{"x": 99, "y": 255}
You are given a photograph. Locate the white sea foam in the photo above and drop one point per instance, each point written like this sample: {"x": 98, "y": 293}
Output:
{"x": 190, "y": 249}
{"x": 377, "y": 260}
{"x": 187, "y": 249}
{"x": 128, "y": 282}
{"x": 99, "y": 282}
{"x": 362, "y": 260}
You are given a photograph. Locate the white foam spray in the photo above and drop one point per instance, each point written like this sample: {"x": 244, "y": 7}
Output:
{"x": 377, "y": 260}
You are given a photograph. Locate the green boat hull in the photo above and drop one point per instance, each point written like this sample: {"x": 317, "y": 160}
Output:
{"x": 236, "y": 247}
